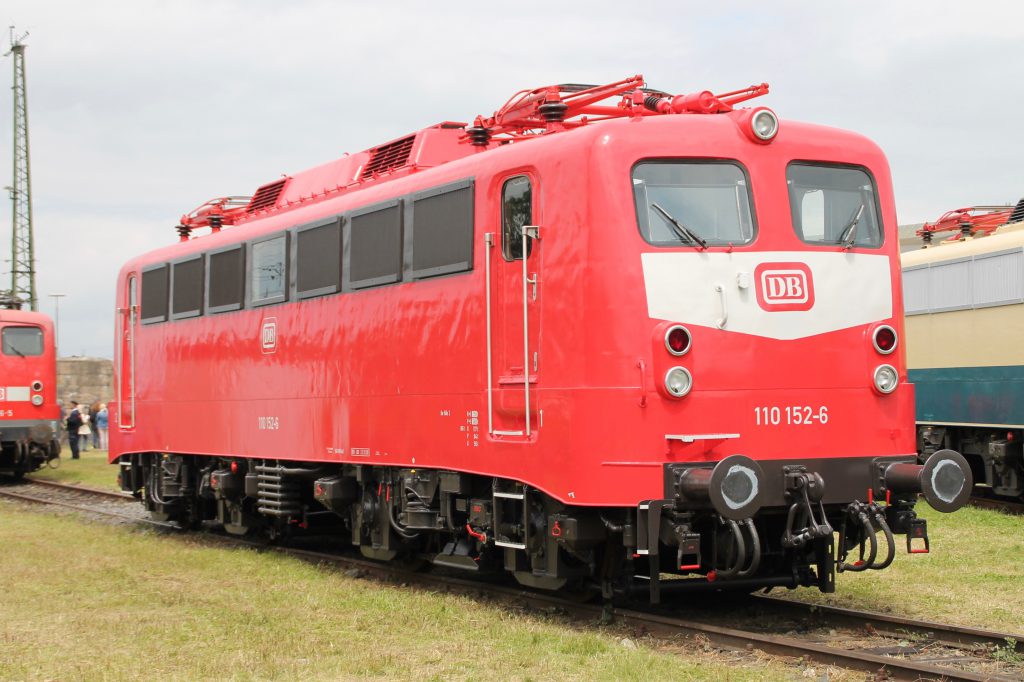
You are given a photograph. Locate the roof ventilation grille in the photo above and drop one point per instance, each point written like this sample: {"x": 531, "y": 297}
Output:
{"x": 388, "y": 157}
{"x": 266, "y": 196}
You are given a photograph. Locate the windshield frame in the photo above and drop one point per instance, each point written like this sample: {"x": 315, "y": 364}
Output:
{"x": 712, "y": 242}
{"x": 875, "y": 206}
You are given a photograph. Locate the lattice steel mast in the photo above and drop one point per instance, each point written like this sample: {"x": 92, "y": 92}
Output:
{"x": 23, "y": 269}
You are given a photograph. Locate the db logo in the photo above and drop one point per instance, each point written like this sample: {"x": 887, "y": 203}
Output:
{"x": 784, "y": 286}
{"x": 268, "y": 335}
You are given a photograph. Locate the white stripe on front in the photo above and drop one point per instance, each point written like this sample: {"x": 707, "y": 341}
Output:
{"x": 850, "y": 289}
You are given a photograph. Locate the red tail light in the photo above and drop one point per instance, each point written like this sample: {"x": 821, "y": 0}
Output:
{"x": 677, "y": 340}
{"x": 885, "y": 339}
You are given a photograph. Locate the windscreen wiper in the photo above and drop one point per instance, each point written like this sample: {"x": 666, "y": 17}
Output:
{"x": 849, "y": 234}
{"x": 15, "y": 351}
{"x": 682, "y": 231}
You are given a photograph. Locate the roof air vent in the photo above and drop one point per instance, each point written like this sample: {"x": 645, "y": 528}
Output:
{"x": 388, "y": 157}
{"x": 266, "y": 196}
{"x": 1018, "y": 213}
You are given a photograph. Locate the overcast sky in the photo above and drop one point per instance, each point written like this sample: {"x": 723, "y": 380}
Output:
{"x": 140, "y": 111}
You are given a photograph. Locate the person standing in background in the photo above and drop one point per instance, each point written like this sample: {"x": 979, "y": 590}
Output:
{"x": 94, "y": 408}
{"x": 73, "y": 424}
{"x": 84, "y": 431}
{"x": 101, "y": 424}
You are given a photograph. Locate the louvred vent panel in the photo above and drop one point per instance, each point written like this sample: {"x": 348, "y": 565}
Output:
{"x": 388, "y": 157}
{"x": 266, "y": 196}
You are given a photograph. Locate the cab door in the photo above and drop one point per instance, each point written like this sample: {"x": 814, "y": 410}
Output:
{"x": 514, "y": 294}
{"x": 128, "y": 317}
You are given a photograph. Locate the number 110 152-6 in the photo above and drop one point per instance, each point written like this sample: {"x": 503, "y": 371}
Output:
{"x": 790, "y": 415}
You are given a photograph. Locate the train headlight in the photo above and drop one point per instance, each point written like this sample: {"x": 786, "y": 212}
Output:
{"x": 764, "y": 124}
{"x": 885, "y": 339}
{"x": 37, "y": 400}
{"x": 678, "y": 382}
{"x": 37, "y": 386}
{"x": 886, "y": 379}
{"x": 677, "y": 340}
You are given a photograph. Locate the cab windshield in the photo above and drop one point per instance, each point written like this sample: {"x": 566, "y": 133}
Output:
{"x": 23, "y": 341}
{"x": 834, "y": 205}
{"x": 693, "y": 203}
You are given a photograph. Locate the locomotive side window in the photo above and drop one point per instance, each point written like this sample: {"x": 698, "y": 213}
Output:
{"x": 268, "y": 277}
{"x": 187, "y": 288}
{"x": 318, "y": 259}
{"x": 516, "y": 211}
{"x": 693, "y": 203}
{"x": 226, "y": 273}
{"x": 442, "y": 231}
{"x": 154, "y": 295}
{"x": 373, "y": 247}
{"x": 835, "y": 205}
{"x": 23, "y": 341}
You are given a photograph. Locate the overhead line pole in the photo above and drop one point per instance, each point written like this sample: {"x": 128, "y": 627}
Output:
{"x": 23, "y": 270}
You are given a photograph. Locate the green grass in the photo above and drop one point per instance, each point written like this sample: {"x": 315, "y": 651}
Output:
{"x": 973, "y": 575}
{"x": 87, "y": 601}
{"x": 90, "y": 470}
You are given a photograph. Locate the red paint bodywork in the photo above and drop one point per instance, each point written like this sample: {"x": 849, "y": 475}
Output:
{"x": 24, "y": 371}
{"x": 397, "y": 375}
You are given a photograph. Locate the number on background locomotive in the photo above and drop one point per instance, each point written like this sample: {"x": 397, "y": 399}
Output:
{"x": 29, "y": 414}
{"x": 603, "y": 335}
{"x": 965, "y": 307}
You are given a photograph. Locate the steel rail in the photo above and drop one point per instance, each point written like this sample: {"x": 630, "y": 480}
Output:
{"x": 896, "y": 626}
{"x": 1007, "y": 506}
{"x": 663, "y": 625}
{"x": 7, "y": 493}
{"x": 115, "y": 494}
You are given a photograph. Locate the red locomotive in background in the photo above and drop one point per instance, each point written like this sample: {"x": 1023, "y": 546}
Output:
{"x": 29, "y": 414}
{"x": 602, "y": 335}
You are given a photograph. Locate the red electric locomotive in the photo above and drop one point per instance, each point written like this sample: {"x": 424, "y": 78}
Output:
{"x": 29, "y": 415}
{"x": 601, "y": 336}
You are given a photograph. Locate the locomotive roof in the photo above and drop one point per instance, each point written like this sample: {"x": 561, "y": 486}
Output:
{"x": 445, "y": 152}
{"x": 24, "y": 317}
{"x": 527, "y": 115}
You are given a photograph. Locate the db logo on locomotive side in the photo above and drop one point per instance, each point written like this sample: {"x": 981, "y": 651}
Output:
{"x": 784, "y": 286}
{"x": 268, "y": 335}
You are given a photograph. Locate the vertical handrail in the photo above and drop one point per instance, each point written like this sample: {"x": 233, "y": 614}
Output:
{"x": 133, "y": 297}
{"x": 119, "y": 384}
{"x": 489, "y": 244}
{"x": 526, "y": 334}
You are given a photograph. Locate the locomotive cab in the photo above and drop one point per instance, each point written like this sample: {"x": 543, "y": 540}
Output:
{"x": 28, "y": 410}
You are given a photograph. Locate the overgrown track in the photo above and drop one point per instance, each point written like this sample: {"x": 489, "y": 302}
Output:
{"x": 889, "y": 646}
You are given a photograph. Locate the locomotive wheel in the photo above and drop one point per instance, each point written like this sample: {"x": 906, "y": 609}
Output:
{"x": 413, "y": 563}
{"x": 581, "y": 591}
{"x": 540, "y": 582}
{"x": 378, "y": 554}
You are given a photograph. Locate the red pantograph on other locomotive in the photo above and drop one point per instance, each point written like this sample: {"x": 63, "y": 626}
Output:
{"x": 695, "y": 369}
{"x": 29, "y": 414}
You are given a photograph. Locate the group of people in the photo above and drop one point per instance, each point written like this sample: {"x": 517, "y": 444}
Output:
{"x": 85, "y": 424}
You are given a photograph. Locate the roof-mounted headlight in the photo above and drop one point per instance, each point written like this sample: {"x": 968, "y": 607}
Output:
{"x": 764, "y": 124}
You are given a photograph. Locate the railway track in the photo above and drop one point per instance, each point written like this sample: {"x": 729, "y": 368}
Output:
{"x": 885, "y": 646}
{"x": 1006, "y": 506}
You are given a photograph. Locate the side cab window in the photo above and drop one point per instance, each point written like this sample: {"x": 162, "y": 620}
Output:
{"x": 516, "y": 211}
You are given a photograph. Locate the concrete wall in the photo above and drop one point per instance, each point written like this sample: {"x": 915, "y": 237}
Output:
{"x": 85, "y": 380}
